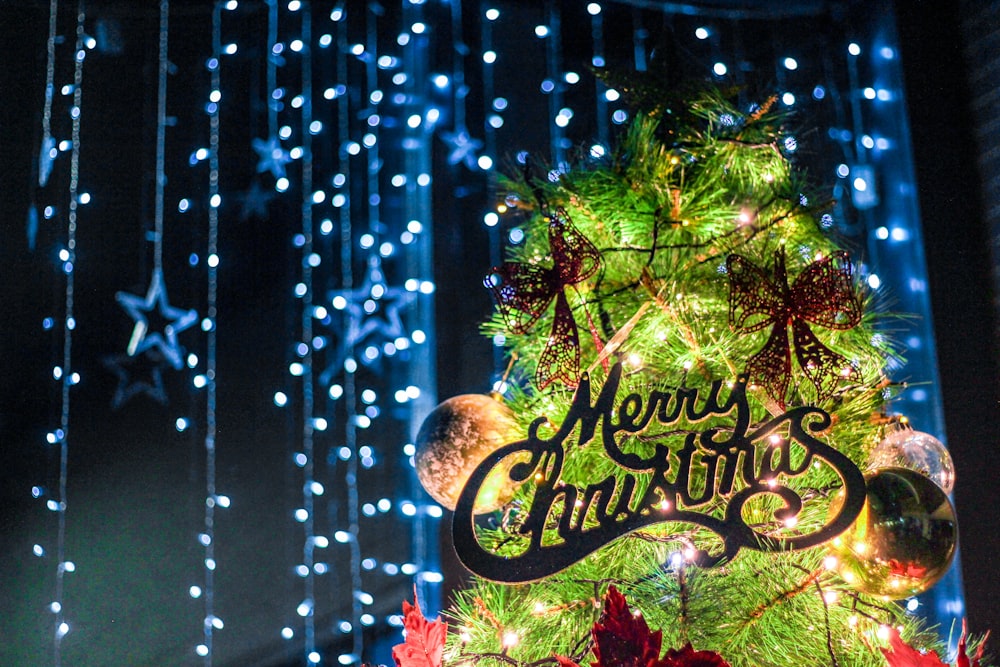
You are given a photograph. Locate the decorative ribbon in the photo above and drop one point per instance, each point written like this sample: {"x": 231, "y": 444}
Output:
{"x": 822, "y": 294}
{"x": 524, "y": 292}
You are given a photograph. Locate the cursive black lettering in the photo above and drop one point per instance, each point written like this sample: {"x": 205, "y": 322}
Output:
{"x": 713, "y": 460}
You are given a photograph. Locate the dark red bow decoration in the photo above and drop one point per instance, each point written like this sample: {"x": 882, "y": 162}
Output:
{"x": 823, "y": 294}
{"x": 524, "y": 292}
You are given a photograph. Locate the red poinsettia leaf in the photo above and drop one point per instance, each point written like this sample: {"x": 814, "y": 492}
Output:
{"x": 963, "y": 657}
{"x": 424, "y": 639}
{"x": 565, "y": 662}
{"x": 688, "y": 657}
{"x": 621, "y": 638}
{"x": 901, "y": 654}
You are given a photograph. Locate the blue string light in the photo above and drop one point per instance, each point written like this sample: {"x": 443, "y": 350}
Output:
{"x": 69, "y": 376}
{"x": 48, "y": 152}
{"x": 596, "y": 12}
{"x": 310, "y": 487}
{"x": 212, "y": 499}
{"x": 349, "y": 390}
{"x": 420, "y": 395}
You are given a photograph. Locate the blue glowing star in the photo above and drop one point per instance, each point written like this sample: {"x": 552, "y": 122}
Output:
{"x": 273, "y": 157}
{"x": 255, "y": 201}
{"x": 137, "y": 375}
{"x": 176, "y": 320}
{"x": 372, "y": 315}
{"x": 463, "y": 147}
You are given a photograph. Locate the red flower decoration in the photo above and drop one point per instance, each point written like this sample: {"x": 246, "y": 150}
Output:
{"x": 524, "y": 291}
{"x": 688, "y": 657}
{"x": 822, "y": 294}
{"x": 901, "y": 654}
{"x": 424, "y": 639}
{"x": 623, "y": 639}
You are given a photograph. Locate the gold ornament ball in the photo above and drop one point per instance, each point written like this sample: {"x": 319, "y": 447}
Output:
{"x": 455, "y": 438}
{"x": 917, "y": 451}
{"x": 903, "y": 541}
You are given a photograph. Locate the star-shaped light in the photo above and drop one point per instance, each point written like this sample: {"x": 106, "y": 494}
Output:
{"x": 371, "y": 314}
{"x": 137, "y": 375}
{"x": 463, "y": 147}
{"x": 273, "y": 157}
{"x": 138, "y": 308}
{"x": 255, "y": 202}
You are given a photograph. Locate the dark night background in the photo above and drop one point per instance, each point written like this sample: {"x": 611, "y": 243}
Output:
{"x": 950, "y": 55}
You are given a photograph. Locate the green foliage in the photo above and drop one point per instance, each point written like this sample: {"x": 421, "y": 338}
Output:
{"x": 688, "y": 185}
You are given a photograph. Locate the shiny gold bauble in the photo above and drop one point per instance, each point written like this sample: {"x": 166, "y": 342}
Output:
{"x": 903, "y": 541}
{"x": 455, "y": 438}
{"x": 917, "y": 451}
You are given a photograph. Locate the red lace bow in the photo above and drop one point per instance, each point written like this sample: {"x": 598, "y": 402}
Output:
{"x": 822, "y": 294}
{"x": 524, "y": 291}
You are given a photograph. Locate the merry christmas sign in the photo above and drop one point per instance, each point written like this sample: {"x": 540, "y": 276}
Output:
{"x": 728, "y": 461}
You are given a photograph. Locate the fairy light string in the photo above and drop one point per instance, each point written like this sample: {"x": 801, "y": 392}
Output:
{"x": 493, "y": 113}
{"x": 349, "y": 395}
{"x": 458, "y": 52}
{"x": 161, "y": 135}
{"x": 68, "y": 377}
{"x": 553, "y": 69}
{"x": 272, "y": 68}
{"x": 310, "y": 487}
{"x": 597, "y": 60}
{"x": 210, "y": 622}
{"x": 48, "y": 143}
{"x": 420, "y": 263}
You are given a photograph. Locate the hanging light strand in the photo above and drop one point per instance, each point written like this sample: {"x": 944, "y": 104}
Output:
{"x": 272, "y": 75}
{"x": 161, "y": 135}
{"x": 69, "y": 376}
{"x": 308, "y": 400}
{"x": 48, "y": 144}
{"x": 350, "y": 387}
{"x": 207, "y": 649}
{"x": 597, "y": 60}
{"x": 553, "y": 70}
{"x": 458, "y": 50}
{"x": 422, "y": 371}
{"x": 494, "y": 120}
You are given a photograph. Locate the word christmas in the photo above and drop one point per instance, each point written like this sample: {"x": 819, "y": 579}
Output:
{"x": 604, "y": 511}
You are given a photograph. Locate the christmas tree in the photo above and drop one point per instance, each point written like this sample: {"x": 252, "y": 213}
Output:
{"x": 693, "y": 460}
